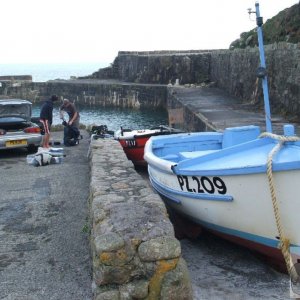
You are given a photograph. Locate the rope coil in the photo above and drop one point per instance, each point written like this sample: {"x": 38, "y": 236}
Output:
{"x": 284, "y": 242}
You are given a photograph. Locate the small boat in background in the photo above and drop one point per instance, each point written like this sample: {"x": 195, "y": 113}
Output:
{"x": 133, "y": 141}
{"x": 240, "y": 184}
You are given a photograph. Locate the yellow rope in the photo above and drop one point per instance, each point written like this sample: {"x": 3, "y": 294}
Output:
{"x": 282, "y": 138}
{"x": 284, "y": 242}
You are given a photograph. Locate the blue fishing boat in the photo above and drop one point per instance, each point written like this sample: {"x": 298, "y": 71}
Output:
{"x": 240, "y": 183}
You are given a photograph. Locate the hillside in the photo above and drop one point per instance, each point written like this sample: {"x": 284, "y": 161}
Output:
{"x": 284, "y": 27}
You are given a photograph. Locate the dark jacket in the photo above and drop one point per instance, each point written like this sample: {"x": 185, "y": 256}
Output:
{"x": 47, "y": 111}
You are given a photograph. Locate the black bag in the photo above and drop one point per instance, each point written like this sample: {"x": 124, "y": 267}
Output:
{"x": 71, "y": 135}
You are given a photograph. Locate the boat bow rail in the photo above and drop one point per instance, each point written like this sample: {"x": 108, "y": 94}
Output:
{"x": 154, "y": 160}
{"x": 247, "y": 158}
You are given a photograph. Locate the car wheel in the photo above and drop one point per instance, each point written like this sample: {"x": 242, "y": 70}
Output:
{"x": 32, "y": 148}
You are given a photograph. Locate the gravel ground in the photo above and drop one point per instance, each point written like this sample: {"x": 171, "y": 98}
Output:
{"x": 222, "y": 270}
{"x": 44, "y": 249}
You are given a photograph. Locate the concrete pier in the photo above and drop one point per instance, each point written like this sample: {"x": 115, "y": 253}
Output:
{"x": 211, "y": 109}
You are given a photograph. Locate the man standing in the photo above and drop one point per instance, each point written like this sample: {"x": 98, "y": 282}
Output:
{"x": 70, "y": 109}
{"x": 46, "y": 116}
{"x": 71, "y": 130}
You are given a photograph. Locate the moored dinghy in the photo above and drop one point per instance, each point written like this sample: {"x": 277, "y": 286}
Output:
{"x": 133, "y": 141}
{"x": 240, "y": 183}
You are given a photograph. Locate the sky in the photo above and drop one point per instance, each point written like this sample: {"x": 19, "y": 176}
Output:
{"x": 79, "y": 31}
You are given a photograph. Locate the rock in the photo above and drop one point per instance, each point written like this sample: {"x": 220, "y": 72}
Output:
{"x": 176, "y": 283}
{"x": 108, "y": 242}
{"x": 160, "y": 248}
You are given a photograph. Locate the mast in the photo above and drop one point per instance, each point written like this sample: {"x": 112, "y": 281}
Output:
{"x": 261, "y": 71}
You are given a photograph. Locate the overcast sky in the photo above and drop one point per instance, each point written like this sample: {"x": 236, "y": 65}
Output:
{"x": 55, "y": 31}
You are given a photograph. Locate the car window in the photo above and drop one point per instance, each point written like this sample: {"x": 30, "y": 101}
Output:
{"x": 9, "y": 110}
{"x": 12, "y": 120}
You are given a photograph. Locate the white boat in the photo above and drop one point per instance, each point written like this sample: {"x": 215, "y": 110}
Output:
{"x": 225, "y": 186}
{"x": 239, "y": 184}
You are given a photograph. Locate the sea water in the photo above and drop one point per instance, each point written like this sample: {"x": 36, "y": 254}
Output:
{"x": 113, "y": 118}
{"x": 45, "y": 72}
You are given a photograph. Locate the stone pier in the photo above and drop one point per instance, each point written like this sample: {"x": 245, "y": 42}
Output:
{"x": 134, "y": 250}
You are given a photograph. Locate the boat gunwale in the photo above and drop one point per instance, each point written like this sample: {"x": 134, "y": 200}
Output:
{"x": 181, "y": 167}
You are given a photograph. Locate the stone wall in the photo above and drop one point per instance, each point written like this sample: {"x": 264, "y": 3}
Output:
{"x": 235, "y": 72}
{"x": 231, "y": 70}
{"x": 183, "y": 117}
{"x": 162, "y": 67}
{"x": 12, "y": 81}
{"x": 89, "y": 92}
{"x": 135, "y": 254}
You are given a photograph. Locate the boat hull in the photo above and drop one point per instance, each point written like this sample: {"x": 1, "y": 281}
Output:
{"x": 133, "y": 141}
{"x": 134, "y": 149}
{"x": 236, "y": 207}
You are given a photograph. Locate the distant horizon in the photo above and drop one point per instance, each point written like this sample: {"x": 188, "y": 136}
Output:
{"x": 56, "y": 63}
{"x": 50, "y": 71}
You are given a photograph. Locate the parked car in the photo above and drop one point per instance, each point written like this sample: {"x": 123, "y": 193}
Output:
{"x": 16, "y": 127}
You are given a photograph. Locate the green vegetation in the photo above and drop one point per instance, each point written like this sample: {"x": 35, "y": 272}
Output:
{"x": 86, "y": 229}
{"x": 284, "y": 27}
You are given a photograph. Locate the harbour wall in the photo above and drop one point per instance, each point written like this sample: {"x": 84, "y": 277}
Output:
{"x": 94, "y": 92}
{"x": 233, "y": 71}
{"x": 182, "y": 116}
{"x": 134, "y": 250}
{"x": 159, "y": 67}
{"x": 140, "y": 79}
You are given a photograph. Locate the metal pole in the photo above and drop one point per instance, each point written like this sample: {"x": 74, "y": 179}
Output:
{"x": 259, "y": 22}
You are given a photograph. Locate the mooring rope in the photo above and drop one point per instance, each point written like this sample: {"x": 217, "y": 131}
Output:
{"x": 284, "y": 242}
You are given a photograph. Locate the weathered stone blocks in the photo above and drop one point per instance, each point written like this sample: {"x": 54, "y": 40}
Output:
{"x": 163, "y": 247}
{"x": 135, "y": 253}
